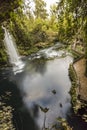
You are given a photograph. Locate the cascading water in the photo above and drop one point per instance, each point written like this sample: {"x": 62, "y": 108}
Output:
{"x": 14, "y": 57}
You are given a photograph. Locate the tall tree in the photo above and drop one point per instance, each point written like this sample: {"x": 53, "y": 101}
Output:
{"x": 28, "y": 10}
{"x": 53, "y": 17}
{"x": 40, "y": 9}
{"x": 53, "y": 12}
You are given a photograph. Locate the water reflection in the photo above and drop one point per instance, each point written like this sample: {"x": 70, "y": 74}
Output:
{"x": 37, "y": 83}
{"x": 36, "y": 66}
{"x": 10, "y": 98}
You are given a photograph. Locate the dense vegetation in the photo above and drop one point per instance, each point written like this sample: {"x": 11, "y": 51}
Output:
{"x": 32, "y": 28}
{"x": 6, "y": 8}
{"x": 35, "y": 28}
{"x": 72, "y": 24}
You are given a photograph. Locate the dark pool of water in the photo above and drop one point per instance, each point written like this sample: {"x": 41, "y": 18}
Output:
{"x": 43, "y": 85}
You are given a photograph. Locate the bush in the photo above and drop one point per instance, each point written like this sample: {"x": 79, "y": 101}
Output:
{"x": 73, "y": 90}
{"x": 38, "y": 35}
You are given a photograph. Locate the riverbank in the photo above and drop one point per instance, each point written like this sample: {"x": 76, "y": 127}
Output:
{"x": 79, "y": 88}
{"x": 80, "y": 70}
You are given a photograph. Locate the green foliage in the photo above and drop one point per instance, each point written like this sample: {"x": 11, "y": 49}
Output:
{"x": 6, "y": 114}
{"x": 38, "y": 34}
{"x": 1, "y": 33}
{"x": 64, "y": 124}
{"x": 31, "y": 26}
{"x": 71, "y": 16}
{"x": 27, "y": 34}
{"x": 72, "y": 73}
{"x": 40, "y": 9}
{"x": 53, "y": 22}
{"x": 72, "y": 22}
{"x": 6, "y": 7}
{"x": 75, "y": 84}
{"x": 3, "y": 56}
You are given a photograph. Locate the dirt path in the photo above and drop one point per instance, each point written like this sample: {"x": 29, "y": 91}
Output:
{"x": 80, "y": 70}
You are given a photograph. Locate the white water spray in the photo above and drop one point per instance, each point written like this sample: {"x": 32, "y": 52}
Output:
{"x": 12, "y": 52}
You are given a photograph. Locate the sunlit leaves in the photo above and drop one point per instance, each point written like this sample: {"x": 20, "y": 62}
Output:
{"x": 40, "y": 9}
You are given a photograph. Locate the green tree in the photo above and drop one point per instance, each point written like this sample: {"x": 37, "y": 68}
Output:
{"x": 6, "y": 7}
{"x": 40, "y": 9}
{"x": 28, "y": 10}
{"x": 53, "y": 17}
{"x": 72, "y": 23}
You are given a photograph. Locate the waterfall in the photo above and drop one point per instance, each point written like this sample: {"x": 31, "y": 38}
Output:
{"x": 12, "y": 52}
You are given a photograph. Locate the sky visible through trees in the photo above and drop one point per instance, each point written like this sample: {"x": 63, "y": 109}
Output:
{"x": 48, "y": 3}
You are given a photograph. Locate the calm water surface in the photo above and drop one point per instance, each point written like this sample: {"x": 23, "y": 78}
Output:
{"x": 45, "y": 84}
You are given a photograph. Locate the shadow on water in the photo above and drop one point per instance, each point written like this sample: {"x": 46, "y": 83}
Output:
{"x": 22, "y": 120}
{"x": 76, "y": 122}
